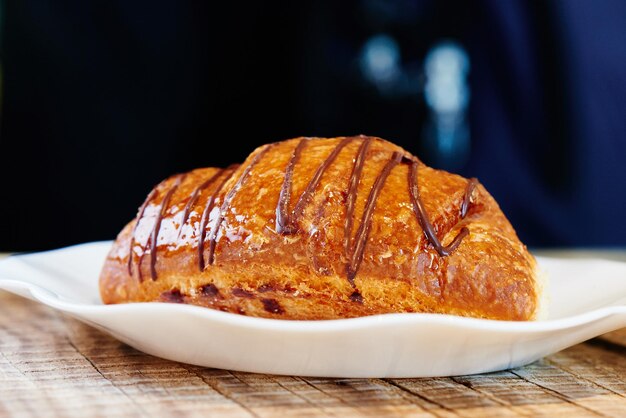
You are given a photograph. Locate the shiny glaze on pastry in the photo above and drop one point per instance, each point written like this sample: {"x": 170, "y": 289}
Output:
{"x": 320, "y": 228}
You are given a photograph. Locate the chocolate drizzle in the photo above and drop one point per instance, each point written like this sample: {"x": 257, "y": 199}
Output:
{"x": 157, "y": 227}
{"x": 283, "y": 220}
{"x": 206, "y": 213}
{"x": 194, "y": 198}
{"x": 287, "y": 223}
{"x": 358, "y": 247}
{"x": 142, "y": 210}
{"x": 152, "y": 240}
{"x": 355, "y": 179}
{"x": 227, "y": 200}
{"x": 422, "y": 216}
{"x": 467, "y": 199}
{"x": 356, "y": 297}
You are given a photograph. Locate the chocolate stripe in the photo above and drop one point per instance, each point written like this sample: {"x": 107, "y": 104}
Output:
{"x": 194, "y": 198}
{"x": 356, "y": 256}
{"x": 283, "y": 220}
{"x": 229, "y": 197}
{"x": 467, "y": 199}
{"x": 142, "y": 210}
{"x": 287, "y": 223}
{"x": 207, "y": 212}
{"x": 157, "y": 226}
{"x": 305, "y": 197}
{"x": 355, "y": 178}
{"x": 422, "y": 217}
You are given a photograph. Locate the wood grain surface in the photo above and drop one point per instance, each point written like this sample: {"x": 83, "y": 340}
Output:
{"x": 54, "y": 366}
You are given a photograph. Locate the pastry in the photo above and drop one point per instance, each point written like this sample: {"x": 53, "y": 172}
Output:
{"x": 324, "y": 228}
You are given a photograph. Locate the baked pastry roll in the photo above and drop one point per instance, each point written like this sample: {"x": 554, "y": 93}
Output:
{"x": 324, "y": 228}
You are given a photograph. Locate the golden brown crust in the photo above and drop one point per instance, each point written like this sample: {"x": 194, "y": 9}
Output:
{"x": 259, "y": 272}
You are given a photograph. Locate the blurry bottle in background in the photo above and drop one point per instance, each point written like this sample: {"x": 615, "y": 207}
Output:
{"x": 446, "y": 132}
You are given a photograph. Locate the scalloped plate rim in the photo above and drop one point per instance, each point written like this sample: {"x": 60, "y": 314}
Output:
{"x": 49, "y": 298}
{"x": 481, "y": 345}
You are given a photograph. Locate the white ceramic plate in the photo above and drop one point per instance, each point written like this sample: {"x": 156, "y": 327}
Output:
{"x": 588, "y": 298}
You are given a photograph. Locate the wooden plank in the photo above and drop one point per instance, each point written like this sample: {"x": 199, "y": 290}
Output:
{"x": 492, "y": 395}
{"x": 293, "y": 396}
{"x": 42, "y": 374}
{"x": 592, "y": 363}
{"x": 576, "y": 391}
{"x": 52, "y": 365}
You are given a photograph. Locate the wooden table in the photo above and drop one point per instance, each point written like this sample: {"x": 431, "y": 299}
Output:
{"x": 52, "y": 365}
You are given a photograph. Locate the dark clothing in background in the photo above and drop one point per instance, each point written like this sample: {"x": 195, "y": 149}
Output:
{"x": 102, "y": 100}
{"x": 549, "y": 118}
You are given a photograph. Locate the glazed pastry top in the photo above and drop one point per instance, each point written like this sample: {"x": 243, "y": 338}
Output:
{"x": 350, "y": 207}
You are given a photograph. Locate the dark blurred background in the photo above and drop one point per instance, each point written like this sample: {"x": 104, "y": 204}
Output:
{"x": 103, "y": 99}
